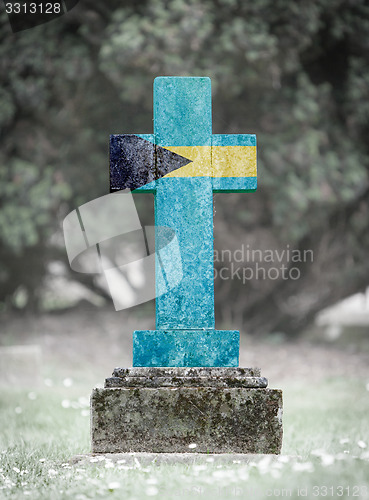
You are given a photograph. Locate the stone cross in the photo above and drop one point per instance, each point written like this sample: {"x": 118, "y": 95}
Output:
{"x": 183, "y": 164}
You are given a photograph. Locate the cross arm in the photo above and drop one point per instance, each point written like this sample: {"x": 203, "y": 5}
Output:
{"x": 233, "y": 160}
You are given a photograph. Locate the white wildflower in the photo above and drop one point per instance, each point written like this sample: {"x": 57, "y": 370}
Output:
{"x": 243, "y": 474}
{"x": 318, "y": 453}
{"x": 303, "y": 467}
{"x": 327, "y": 460}
{"x": 114, "y": 485}
{"x": 275, "y": 473}
{"x": 152, "y": 491}
{"x": 199, "y": 467}
{"x": 83, "y": 401}
{"x": 264, "y": 464}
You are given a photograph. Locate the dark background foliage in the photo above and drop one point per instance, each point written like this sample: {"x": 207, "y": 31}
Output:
{"x": 294, "y": 73}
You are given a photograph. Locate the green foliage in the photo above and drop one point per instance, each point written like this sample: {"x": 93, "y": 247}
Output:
{"x": 267, "y": 59}
{"x": 296, "y": 74}
{"x": 31, "y": 198}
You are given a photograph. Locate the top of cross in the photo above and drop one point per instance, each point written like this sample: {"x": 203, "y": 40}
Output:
{"x": 182, "y": 111}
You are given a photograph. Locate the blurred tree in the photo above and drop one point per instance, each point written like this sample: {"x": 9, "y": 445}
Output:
{"x": 296, "y": 74}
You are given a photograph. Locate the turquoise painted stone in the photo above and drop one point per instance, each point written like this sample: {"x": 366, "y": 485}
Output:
{"x": 191, "y": 303}
{"x": 185, "y": 332}
{"x": 182, "y": 111}
{"x": 186, "y": 348}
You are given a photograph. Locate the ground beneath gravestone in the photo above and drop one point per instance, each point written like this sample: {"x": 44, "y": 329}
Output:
{"x": 326, "y": 407}
{"x": 86, "y": 343}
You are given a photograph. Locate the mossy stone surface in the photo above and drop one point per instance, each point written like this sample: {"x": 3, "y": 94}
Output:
{"x": 186, "y": 376}
{"x": 168, "y": 420}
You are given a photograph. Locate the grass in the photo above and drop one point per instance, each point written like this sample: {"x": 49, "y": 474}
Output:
{"x": 325, "y": 451}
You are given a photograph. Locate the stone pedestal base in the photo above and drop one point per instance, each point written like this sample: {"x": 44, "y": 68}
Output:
{"x": 184, "y": 348}
{"x": 220, "y": 410}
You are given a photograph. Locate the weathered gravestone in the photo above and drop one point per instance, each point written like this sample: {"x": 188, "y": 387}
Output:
{"x": 185, "y": 386}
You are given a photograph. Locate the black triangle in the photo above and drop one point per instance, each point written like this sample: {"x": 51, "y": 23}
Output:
{"x": 134, "y": 162}
{"x": 167, "y": 161}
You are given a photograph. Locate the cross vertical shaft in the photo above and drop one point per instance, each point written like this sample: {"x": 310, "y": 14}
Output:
{"x": 182, "y": 118}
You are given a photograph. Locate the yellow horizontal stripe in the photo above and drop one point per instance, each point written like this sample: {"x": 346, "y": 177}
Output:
{"x": 234, "y": 161}
{"x": 216, "y": 161}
